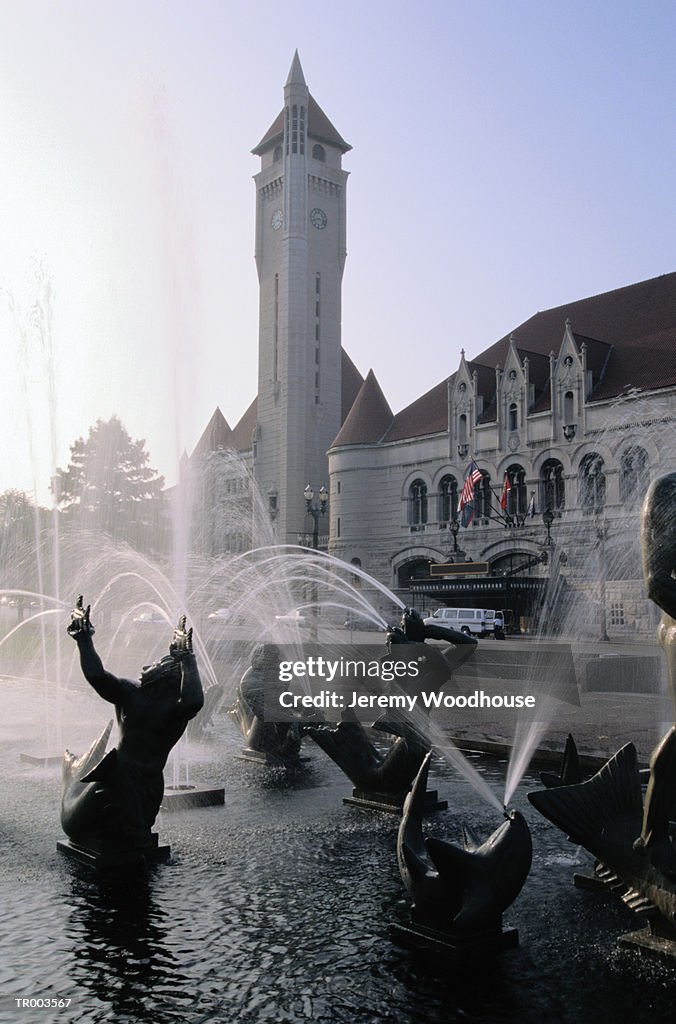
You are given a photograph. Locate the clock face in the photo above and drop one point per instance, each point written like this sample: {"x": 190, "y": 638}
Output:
{"x": 277, "y": 220}
{"x": 318, "y": 218}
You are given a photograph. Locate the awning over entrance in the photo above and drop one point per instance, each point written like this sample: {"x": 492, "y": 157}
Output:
{"x": 519, "y": 596}
{"x": 494, "y": 585}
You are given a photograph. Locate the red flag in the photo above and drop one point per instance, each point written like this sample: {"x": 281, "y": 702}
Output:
{"x": 506, "y": 488}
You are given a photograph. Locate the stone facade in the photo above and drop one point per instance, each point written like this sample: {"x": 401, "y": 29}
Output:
{"x": 575, "y": 409}
{"x": 537, "y": 424}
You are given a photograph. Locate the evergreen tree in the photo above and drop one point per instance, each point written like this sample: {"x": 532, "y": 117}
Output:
{"x": 24, "y": 529}
{"x": 109, "y": 486}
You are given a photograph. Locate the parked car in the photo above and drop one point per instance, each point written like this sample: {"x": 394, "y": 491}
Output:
{"x": 292, "y": 618}
{"x": 151, "y": 625}
{"x": 471, "y": 621}
{"x": 149, "y": 620}
{"x": 220, "y": 613}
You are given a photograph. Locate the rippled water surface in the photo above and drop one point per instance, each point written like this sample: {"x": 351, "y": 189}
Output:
{"x": 276, "y": 907}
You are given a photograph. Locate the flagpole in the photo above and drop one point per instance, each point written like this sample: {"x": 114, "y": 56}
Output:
{"x": 503, "y": 517}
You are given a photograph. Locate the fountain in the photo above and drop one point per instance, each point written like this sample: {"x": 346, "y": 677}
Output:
{"x": 278, "y": 908}
{"x": 631, "y": 838}
{"x": 381, "y": 782}
{"x": 110, "y": 801}
{"x": 253, "y": 915}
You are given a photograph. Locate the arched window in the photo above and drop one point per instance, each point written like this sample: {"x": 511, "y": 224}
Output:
{"x": 415, "y": 569}
{"x": 277, "y": 153}
{"x": 417, "y": 503}
{"x": 318, "y": 152}
{"x": 482, "y": 498}
{"x": 356, "y": 578}
{"x": 634, "y": 475}
{"x": 592, "y": 483}
{"x": 552, "y": 486}
{"x": 517, "y": 498}
{"x": 513, "y": 418}
{"x": 448, "y": 498}
{"x": 462, "y": 429}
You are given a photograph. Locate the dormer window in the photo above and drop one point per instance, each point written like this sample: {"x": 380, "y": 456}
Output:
{"x": 568, "y": 361}
{"x": 512, "y": 375}
{"x": 318, "y": 152}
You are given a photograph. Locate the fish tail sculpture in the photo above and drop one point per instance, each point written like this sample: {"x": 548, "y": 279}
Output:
{"x": 82, "y": 788}
{"x": 597, "y": 813}
{"x": 571, "y": 772}
{"x": 604, "y": 815}
{"x": 461, "y": 892}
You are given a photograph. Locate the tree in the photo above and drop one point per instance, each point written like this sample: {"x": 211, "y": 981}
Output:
{"x": 24, "y": 530}
{"x": 108, "y": 485}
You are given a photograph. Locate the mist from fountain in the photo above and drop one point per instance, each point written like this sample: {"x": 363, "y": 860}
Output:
{"x": 611, "y": 544}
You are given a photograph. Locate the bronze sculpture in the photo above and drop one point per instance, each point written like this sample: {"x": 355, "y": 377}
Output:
{"x": 570, "y": 771}
{"x": 630, "y": 837}
{"x": 459, "y": 895}
{"x": 110, "y": 801}
{"x": 658, "y": 545}
{"x": 271, "y": 743}
{"x": 382, "y": 781}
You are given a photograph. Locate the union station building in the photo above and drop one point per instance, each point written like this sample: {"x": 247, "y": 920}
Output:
{"x": 567, "y": 417}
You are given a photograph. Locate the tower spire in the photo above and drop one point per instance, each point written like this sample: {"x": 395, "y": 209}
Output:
{"x": 296, "y": 76}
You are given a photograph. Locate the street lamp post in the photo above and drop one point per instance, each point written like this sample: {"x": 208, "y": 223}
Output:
{"x": 454, "y": 526}
{"x": 548, "y": 519}
{"x": 601, "y": 527}
{"x": 315, "y": 510}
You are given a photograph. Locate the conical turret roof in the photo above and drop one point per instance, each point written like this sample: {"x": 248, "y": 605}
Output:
{"x": 369, "y": 418}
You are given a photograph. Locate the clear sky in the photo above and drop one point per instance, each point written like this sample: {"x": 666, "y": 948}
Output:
{"x": 508, "y": 157}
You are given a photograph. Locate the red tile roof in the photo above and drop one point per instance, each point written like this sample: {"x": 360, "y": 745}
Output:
{"x": 628, "y": 319}
{"x": 427, "y": 415}
{"x": 369, "y": 417}
{"x": 217, "y": 434}
{"x": 242, "y": 434}
{"x": 630, "y": 340}
{"x": 351, "y": 382}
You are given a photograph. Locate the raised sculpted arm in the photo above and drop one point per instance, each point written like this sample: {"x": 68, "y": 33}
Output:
{"x": 191, "y": 699}
{"x": 658, "y": 542}
{"x": 108, "y": 686}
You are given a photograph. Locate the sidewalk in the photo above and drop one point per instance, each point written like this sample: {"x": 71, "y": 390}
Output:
{"x": 602, "y": 724}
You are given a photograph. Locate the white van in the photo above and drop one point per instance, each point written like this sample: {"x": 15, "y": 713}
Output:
{"x": 472, "y": 621}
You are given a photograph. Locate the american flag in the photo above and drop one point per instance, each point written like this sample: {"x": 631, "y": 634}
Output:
{"x": 472, "y": 477}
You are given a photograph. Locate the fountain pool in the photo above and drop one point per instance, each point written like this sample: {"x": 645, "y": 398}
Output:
{"x": 277, "y": 906}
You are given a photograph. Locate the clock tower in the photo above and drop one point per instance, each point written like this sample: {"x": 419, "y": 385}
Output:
{"x": 300, "y": 255}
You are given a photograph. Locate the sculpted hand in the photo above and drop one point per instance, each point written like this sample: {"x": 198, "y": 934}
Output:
{"x": 181, "y": 644}
{"x": 80, "y": 624}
